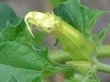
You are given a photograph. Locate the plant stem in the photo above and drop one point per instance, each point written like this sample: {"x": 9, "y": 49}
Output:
{"x": 100, "y": 66}
{"x": 103, "y": 67}
{"x": 61, "y": 55}
{"x": 104, "y": 51}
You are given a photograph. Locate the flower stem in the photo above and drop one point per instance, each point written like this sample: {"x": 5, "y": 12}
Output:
{"x": 104, "y": 51}
{"x": 103, "y": 67}
{"x": 59, "y": 55}
{"x": 62, "y": 56}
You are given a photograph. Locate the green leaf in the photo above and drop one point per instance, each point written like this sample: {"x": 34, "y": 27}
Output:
{"x": 21, "y": 75}
{"x": 11, "y": 33}
{"x": 102, "y": 34}
{"x": 90, "y": 17}
{"x": 38, "y": 39}
{"x": 17, "y": 50}
{"x": 7, "y": 15}
{"x": 98, "y": 39}
{"x": 78, "y": 15}
{"x": 15, "y": 54}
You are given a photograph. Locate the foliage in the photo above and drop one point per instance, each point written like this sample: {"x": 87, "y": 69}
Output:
{"x": 24, "y": 59}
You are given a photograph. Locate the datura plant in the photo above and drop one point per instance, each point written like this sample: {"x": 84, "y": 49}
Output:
{"x": 22, "y": 59}
{"x": 72, "y": 40}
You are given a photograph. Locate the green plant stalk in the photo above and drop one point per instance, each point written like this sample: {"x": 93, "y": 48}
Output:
{"x": 59, "y": 55}
{"x": 103, "y": 67}
{"x": 100, "y": 66}
{"x": 82, "y": 66}
{"x": 62, "y": 56}
{"x": 104, "y": 51}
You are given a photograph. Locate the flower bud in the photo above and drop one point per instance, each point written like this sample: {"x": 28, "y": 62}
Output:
{"x": 73, "y": 41}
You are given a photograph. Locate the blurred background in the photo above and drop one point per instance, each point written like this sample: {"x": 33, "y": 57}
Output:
{"x": 44, "y": 6}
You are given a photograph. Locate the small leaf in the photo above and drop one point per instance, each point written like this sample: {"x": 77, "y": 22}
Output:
{"x": 11, "y": 33}
{"x": 90, "y": 17}
{"x": 102, "y": 34}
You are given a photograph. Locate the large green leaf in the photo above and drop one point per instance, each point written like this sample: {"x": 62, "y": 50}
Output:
{"x": 17, "y": 50}
{"x": 15, "y": 54}
{"x": 7, "y": 15}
